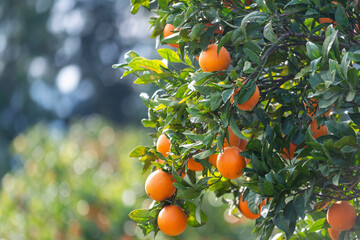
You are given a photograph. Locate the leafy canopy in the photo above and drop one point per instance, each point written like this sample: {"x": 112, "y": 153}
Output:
{"x": 301, "y": 63}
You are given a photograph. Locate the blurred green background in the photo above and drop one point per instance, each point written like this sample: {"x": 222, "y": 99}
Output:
{"x": 67, "y": 124}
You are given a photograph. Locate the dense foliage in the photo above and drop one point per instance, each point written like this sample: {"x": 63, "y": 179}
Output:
{"x": 298, "y": 53}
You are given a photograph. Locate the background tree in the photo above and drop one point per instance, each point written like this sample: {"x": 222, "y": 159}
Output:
{"x": 292, "y": 63}
{"x": 54, "y": 64}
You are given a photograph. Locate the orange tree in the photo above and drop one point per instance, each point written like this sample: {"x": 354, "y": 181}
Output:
{"x": 267, "y": 73}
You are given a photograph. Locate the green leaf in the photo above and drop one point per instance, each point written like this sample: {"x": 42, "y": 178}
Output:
{"x": 299, "y": 205}
{"x": 198, "y": 210}
{"x": 253, "y": 17}
{"x": 130, "y": 55}
{"x": 169, "y": 55}
{"x": 262, "y": 6}
{"x": 143, "y": 64}
{"x": 148, "y": 123}
{"x": 355, "y": 117}
{"x": 192, "y": 210}
{"x": 246, "y": 92}
{"x": 328, "y": 43}
{"x": 341, "y": 17}
{"x": 319, "y": 224}
{"x": 138, "y": 151}
{"x": 196, "y": 30}
{"x": 313, "y": 51}
{"x": 190, "y": 193}
{"x": 248, "y": 68}
{"x": 200, "y": 76}
{"x": 339, "y": 128}
{"x": 269, "y": 189}
{"x": 236, "y": 129}
{"x": 215, "y": 101}
{"x": 296, "y": 2}
{"x": 269, "y": 33}
{"x": 252, "y": 55}
{"x": 335, "y": 179}
{"x": 227, "y": 94}
{"x": 225, "y": 39}
{"x": 140, "y": 215}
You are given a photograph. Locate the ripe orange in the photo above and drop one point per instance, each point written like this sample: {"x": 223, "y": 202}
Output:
{"x": 230, "y": 163}
{"x": 194, "y": 166}
{"x": 242, "y": 147}
{"x": 250, "y": 103}
{"x": 159, "y": 185}
{"x": 311, "y": 111}
{"x": 172, "y": 220}
{"x": 217, "y": 31}
{"x": 210, "y": 61}
{"x": 327, "y": 20}
{"x": 317, "y": 130}
{"x": 169, "y": 30}
{"x": 334, "y": 234}
{"x": 234, "y": 140}
{"x": 341, "y": 216}
{"x": 244, "y": 209}
{"x": 213, "y": 159}
{"x": 160, "y": 161}
{"x": 163, "y": 145}
{"x": 292, "y": 149}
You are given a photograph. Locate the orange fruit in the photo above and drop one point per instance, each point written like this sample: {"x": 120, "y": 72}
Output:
{"x": 327, "y": 20}
{"x": 160, "y": 161}
{"x": 169, "y": 30}
{"x": 341, "y": 216}
{"x": 334, "y": 234}
{"x": 244, "y": 209}
{"x": 242, "y": 147}
{"x": 217, "y": 31}
{"x": 210, "y": 61}
{"x": 230, "y": 163}
{"x": 213, "y": 159}
{"x": 159, "y": 185}
{"x": 311, "y": 111}
{"x": 250, "y": 103}
{"x": 292, "y": 149}
{"x": 194, "y": 166}
{"x": 163, "y": 145}
{"x": 172, "y": 220}
{"x": 234, "y": 140}
{"x": 317, "y": 130}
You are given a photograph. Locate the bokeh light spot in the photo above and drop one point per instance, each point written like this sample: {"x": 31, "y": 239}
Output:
{"x": 68, "y": 78}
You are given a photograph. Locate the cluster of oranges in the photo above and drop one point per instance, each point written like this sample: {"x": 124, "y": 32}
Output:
{"x": 159, "y": 186}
